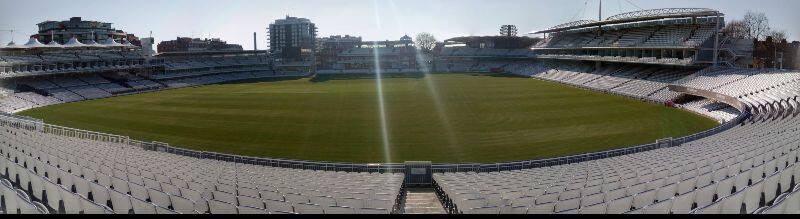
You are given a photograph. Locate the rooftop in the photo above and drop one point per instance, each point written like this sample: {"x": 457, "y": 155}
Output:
{"x": 635, "y": 16}
{"x": 291, "y": 20}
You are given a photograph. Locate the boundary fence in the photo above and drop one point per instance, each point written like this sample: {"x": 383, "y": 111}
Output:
{"x": 33, "y": 124}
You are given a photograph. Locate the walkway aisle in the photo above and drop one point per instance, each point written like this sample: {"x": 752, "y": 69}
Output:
{"x": 423, "y": 201}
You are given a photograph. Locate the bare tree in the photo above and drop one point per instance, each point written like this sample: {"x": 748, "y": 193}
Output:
{"x": 778, "y": 35}
{"x": 757, "y": 25}
{"x": 736, "y": 29}
{"x": 425, "y": 42}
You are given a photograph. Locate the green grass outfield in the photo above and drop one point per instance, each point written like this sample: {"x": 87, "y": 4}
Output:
{"x": 479, "y": 119}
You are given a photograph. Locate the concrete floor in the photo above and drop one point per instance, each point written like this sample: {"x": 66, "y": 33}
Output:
{"x": 423, "y": 201}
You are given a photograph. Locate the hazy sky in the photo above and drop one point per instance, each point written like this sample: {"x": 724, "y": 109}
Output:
{"x": 236, "y": 20}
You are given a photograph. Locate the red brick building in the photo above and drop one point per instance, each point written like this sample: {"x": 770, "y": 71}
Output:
{"x": 776, "y": 54}
{"x": 186, "y": 44}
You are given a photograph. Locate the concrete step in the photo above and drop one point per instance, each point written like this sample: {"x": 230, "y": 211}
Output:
{"x": 422, "y": 201}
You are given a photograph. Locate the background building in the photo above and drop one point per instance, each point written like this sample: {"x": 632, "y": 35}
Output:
{"x": 351, "y": 55}
{"x": 328, "y": 49}
{"x": 292, "y": 38}
{"x": 186, "y": 44}
{"x": 494, "y": 42}
{"x": 147, "y": 45}
{"x": 84, "y": 31}
{"x": 776, "y": 54}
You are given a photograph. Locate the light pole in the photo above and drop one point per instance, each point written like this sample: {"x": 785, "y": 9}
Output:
{"x": 12, "y": 34}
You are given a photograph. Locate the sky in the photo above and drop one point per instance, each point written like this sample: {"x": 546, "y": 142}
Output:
{"x": 236, "y": 20}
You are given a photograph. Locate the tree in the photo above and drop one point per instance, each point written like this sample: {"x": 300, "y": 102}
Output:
{"x": 425, "y": 42}
{"x": 778, "y": 35}
{"x": 736, "y": 29}
{"x": 757, "y": 25}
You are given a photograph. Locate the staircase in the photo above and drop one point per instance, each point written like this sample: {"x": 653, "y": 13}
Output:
{"x": 423, "y": 201}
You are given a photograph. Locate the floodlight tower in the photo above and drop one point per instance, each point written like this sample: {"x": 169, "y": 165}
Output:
{"x": 11, "y": 31}
{"x": 600, "y": 18}
{"x": 508, "y": 30}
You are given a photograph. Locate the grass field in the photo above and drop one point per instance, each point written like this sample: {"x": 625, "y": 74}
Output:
{"x": 477, "y": 119}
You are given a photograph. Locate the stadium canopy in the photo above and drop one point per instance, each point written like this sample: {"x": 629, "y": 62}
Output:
{"x": 73, "y": 42}
{"x": 573, "y": 24}
{"x": 636, "y": 16}
{"x": 126, "y": 43}
{"x": 92, "y": 43}
{"x": 54, "y": 44}
{"x": 34, "y": 43}
{"x": 109, "y": 42}
{"x": 12, "y": 45}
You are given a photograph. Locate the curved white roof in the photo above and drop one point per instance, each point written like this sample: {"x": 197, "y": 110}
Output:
{"x": 574, "y": 23}
{"x": 92, "y": 43}
{"x": 34, "y": 43}
{"x": 12, "y": 45}
{"x": 643, "y": 15}
{"x": 664, "y": 12}
{"x": 53, "y": 43}
{"x": 109, "y": 42}
{"x": 73, "y": 42}
{"x": 126, "y": 43}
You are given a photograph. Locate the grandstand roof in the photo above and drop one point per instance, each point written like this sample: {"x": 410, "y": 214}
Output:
{"x": 110, "y": 43}
{"x": 126, "y": 43}
{"x": 636, "y": 16}
{"x": 33, "y": 43}
{"x": 73, "y": 42}
{"x": 92, "y": 43}
{"x": 12, "y": 45}
{"x": 53, "y": 43}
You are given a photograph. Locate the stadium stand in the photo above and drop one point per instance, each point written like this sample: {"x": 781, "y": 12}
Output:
{"x": 712, "y": 109}
{"x": 749, "y": 164}
{"x": 749, "y": 168}
{"x": 52, "y": 169}
{"x": 69, "y": 76}
{"x": 741, "y": 170}
{"x": 65, "y": 95}
{"x": 717, "y": 174}
{"x": 639, "y": 81}
{"x": 73, "y": 175}
{"x": 673, "y": 34}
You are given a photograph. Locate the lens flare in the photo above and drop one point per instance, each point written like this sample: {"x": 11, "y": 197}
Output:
{"x": 422, "y": 62}
{"x": 387, "y": 154}
{"x": 437, "y": 102}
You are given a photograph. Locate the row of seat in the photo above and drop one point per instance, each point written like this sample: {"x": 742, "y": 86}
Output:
{"x": 629, "y": 80}
{"x": 14, "y": 201}
{"x": 747, "y": 169}
{"x": 99, "y": 183}
{"x": 558, "y": 200}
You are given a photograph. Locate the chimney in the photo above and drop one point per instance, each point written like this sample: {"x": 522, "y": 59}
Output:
{"x": 255, "y": 42}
